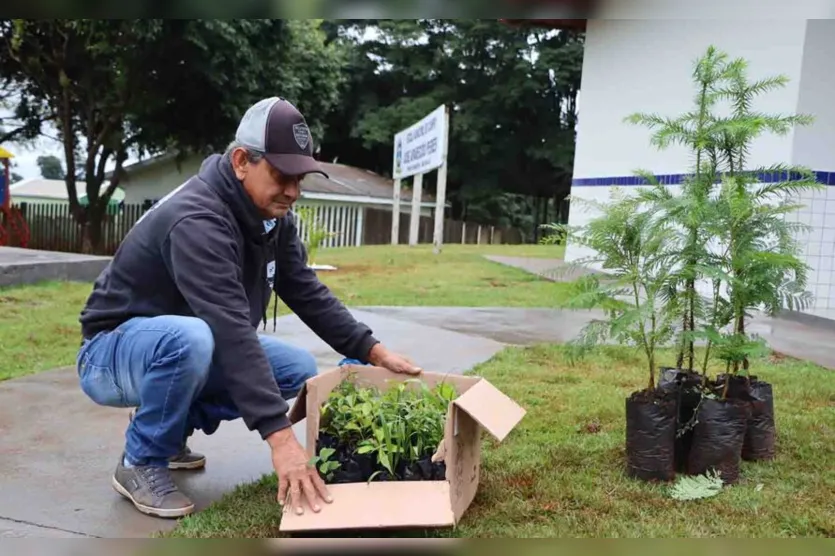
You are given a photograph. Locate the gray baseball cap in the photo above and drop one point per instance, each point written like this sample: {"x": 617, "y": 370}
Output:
{"x": 276, "y": 128}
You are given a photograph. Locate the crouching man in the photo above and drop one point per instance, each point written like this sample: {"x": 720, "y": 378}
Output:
{"x": 170, "y": 327}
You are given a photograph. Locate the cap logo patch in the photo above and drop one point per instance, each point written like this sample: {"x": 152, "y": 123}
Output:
{"x": 302, "y": 135}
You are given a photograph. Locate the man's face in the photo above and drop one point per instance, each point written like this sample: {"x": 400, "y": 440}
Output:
{"x": 272, "y": 192}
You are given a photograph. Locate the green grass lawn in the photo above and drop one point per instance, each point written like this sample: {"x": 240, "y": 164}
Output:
{"x": 39, "y": 324}
{"x": 560, "y": 473}
{"x": 460, "y": 276}
{"x": 39, "y": 327}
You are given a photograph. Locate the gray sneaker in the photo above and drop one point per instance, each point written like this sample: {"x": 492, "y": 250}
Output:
{"x": 151, "y": 490}
{"x": 186, "y": 459}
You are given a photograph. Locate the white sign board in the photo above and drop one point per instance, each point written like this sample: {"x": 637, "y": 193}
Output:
{"x": 420, "y": 148}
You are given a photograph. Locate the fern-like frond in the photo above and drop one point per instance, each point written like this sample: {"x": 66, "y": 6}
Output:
{"x": 697, "y": 487}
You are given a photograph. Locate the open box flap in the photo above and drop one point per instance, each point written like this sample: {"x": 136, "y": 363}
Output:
{"x": 376, "y": 505}
{"x": 298, "y": 410}
{"x": 313, "y": 388}
{"x": 493, "y": 410}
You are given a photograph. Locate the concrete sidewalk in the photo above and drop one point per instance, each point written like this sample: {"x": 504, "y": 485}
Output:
{"x": 29, "y": 266}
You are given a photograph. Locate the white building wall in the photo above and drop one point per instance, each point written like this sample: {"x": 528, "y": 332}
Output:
{"x": 814, "y": 147}
{"x": 155, "y": 181}
{"x": 646, "y": 66}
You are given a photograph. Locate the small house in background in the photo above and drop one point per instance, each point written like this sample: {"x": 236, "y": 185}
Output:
{"x": 40, "y": 191}
{"x": 340, "y": 202}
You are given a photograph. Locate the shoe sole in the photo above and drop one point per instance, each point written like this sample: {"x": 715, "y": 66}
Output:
{"x": 180, "y": 465}
{"x": 155, "y": 512}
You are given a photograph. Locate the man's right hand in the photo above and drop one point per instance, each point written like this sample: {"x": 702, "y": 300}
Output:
{"x": 295, "y": 476}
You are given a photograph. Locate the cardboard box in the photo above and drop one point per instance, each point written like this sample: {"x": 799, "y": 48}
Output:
{"x": 407, "y": 504}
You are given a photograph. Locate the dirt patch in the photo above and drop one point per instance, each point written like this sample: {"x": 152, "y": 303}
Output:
{"x": 592, "y": 427}
{"x": 775, "y": 358}
{"x": 523, "y": 482}
{"x": 65, "y": 330}
{"x": 8, "y": 299}
{"x": 567, "y": 457}
{"x": 562, "y": 379}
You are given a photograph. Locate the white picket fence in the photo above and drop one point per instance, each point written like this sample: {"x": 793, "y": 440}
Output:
{"x": 343, "y": 219}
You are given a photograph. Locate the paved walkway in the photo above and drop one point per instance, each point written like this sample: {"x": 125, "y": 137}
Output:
{"x": 28, "y": 266}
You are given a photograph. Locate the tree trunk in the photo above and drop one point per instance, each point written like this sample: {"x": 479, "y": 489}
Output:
{"x": 91, "y": 243}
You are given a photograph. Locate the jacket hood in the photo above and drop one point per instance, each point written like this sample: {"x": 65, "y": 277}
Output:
{"x": 216, "y": 170}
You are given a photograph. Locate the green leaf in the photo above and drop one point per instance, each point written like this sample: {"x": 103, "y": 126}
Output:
{"x": 696, "y": 487}
{"x": 385, "y": 461}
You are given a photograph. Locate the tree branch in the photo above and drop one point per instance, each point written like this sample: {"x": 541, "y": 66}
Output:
{"x": 10, "y": 136}
{"x": 116, "y": 176}
{"x": 99, "y": 176}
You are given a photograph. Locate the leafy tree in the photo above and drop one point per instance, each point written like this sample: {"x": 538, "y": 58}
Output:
{"x": 512, "y": 91}
{"x": 117, "y": 87}
{"x": 14, "y": 176}
{"x": 19, "y": 122}
{"x": 51, "y": 167}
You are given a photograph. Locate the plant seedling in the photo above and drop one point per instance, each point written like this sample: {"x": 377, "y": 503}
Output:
{"x": 324, "y": 464}
{"x": 399, "y": 428}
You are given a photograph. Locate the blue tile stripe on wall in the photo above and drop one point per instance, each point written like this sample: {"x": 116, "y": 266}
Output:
{"x": 827, "y": 178}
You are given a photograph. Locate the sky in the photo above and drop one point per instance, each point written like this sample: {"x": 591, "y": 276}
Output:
{"x": 26, "y": 156}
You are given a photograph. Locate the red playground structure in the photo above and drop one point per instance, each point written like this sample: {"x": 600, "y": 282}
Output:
{"x": 13, "y": 228}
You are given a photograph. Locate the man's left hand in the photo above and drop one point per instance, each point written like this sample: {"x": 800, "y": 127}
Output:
{"x": 379, "y": 356}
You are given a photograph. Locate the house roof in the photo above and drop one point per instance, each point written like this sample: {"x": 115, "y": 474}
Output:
{"x": 344, "y": 182}
{"x": 51, "y": 189}
{"x": 349, "y": 180}
{"x": 39, "y": 187}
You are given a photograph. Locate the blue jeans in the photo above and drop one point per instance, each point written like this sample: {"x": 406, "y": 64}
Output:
{"x": 163, "y": 366}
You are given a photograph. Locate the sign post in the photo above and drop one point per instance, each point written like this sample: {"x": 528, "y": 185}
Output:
{"x": 440, "y": 195}
{"x": 418, "y": 149}
{"x": 395, "y": 214}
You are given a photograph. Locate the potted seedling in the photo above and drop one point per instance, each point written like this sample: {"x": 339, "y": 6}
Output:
{"x": 690, "y": 211}
{"x": 368, "y": 435}
{"x": 637, "y": 252}
{"x": 759, "y": 258}
{"x": 738, "y": 240}
{"x": 764, "y": 272}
